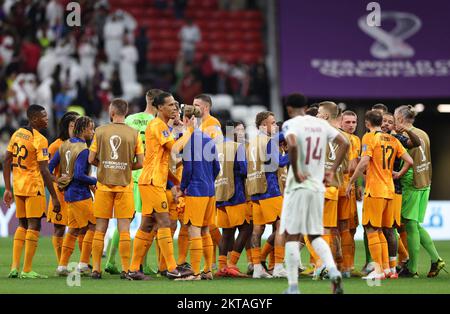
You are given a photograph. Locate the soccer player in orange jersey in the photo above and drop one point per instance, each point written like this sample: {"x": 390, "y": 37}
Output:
{"x": 27, "y": 154}
{"x": 379, "y": 153}
{"x": 159, "y": 144}
{"x": 59, "y": 220}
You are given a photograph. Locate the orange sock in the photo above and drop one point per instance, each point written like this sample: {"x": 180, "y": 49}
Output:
{"x": 256, "y": 255}
{"x": 384, "y": 250}
{"x": 57, "y": 246}
{"x": 266, "y": 250}
{"x": 162, "y": 265}
{"x": 19, "y": 242}
{"x": 346, "y": 242}
{"x": 67, "y": 249}
{"x": 215, "y": 234}
{"x": 166, "y": 245}
{"x": 140, "y": 247}
{"x": 80, "y": 241}
{"x": 222, "y": 262}
{"x": 392, "y": 262}
{"x": 313, "y": 255}
{"x": 353, "y": 249}
{"x": 183, "y": 244}
{"x": 208, "y": 248}
{"x": 402, "y": 252}
{"x": 248, "y": 252}
{"x": 234, "y": 258}
{"x": 271, "y": 259}
{"x": 125, "y": 249}
{"x": 375, "y": 248}
{"x": 196, "y": 254}
{"x": 97, "y": 250}
{"x": 31, "y": 242}
{"x": 404, "y": 237}
{"x": 86, "y": 250}
{"x": 279, "y": 254}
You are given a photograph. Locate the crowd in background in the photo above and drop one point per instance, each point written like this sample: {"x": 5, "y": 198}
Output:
{"x": 44, "y": 61}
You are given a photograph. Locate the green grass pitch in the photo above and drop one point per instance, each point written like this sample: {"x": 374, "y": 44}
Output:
{"x": 45, "y": 263}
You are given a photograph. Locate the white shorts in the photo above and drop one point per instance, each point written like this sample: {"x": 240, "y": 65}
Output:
{"x": 302, "y": 212}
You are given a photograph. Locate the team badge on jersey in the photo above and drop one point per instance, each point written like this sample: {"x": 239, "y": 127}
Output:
{"x": 364, "y": 147}
{"x": 165, "y": 133}
{"x": 45, "y": 151}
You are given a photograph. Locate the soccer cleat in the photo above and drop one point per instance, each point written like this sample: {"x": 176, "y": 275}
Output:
{"x": 207, "y": 275}
{"x": 262, "y": 273}
{"x": 112, "y": 269}
{"x": 190, "y": 278}
{"x": 264, "y": 265}
{"x": 406, "y": 273}
{"x": 393, "y": 276}
{"x": 301, "y": 269}
{"x": 32, "y": 275}
{"x": 279, "y": 273}
{"x": 234, "y": 272}
{"x": 346, "y": 274}
{"x": 374, "y": 276}
{"x": 320, "y": 273}
{"x": 308, "y": 271}
{"x": 84, "y": 270}
{"x": 62, "y": 271}
{"x": 214, "y": 267}
{"x": 292, "y": 290}
{"x": 336, "y": 284}
{"x": 436, "y": 268}
{"x": 96, "y": 275}
{"x": 222, "y": 272}
{"x": 355, "y": 273}
{"x": 185, "y": 266}
{"x": 137, "y": 275}
{"x": 14, "y": 273}
{"x": 179, "y": 273}
{"x": 123, "y": 275}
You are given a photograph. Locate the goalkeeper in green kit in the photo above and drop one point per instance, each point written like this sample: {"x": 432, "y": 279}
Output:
{"x": 416, "y": 185}
{"x": 139, "y": 122}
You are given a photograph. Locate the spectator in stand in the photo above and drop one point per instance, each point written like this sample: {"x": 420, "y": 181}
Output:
{"x": 30, "y": 55}
{"x": 45, "y": 35}
{"x": 189, "y": 35}
{"x": 179, "y": 6}
{"x": 54, "y": 13}
{"x": 208, "y": 75}
{"x": 190, "y": 85}
{"x": 240, "y": 79}
{"x": 7, "y": 50}
{"x": 62, "y": 100}
{"x": 142, "y": 44}
{"x": 87, "y": 53}
{"x": 259, "y": 82}
{"x": 113, "y": 32}
{"x": 116, "y": 85}
{"x": 9, "y": 127}
{"x": 128, "y": 77}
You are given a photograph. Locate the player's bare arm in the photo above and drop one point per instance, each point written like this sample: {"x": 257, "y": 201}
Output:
{"x": 93, "y": 158}
{"x": 138, "y": 163}
{"x": 407, "y": 163}
{"x": 293, "y": 158}
{"x": 359, "y": 171}
{"x": 7, "y": 195}
{"x": 413, "y": 139}
{"x": 340, "y": 154}
{"x": 47, "y": 176}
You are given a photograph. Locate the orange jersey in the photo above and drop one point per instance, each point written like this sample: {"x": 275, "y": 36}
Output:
{"x": 157, "y": 155}
{"x": 352, "y": 154}
{"x": 382, "y": 149}
{"x": 211, "y": 127}
{"x": 355, "y": 145}
{"x": 52, "y": 149}
{"x": 28, "y": 148}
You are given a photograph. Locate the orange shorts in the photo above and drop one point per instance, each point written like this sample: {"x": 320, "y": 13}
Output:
{"x": 154, "y": 199}
{"x": 113, "y": 204}
{"x": 233, "y": 216}
{"x": 30, "y": 206}
{"x": 376, "y": 212}
{"x": 80, "y": 213}
{"x": 173, "y": 213}
{"x": 200, "y": 211}
{"x": 267, "y": 211}
{"x": 61, "y": 217}
{"x": 354, "y": 220}
{"x": 396, "y": 203}
{"x": 346, "y": 207}
{"x": 330, "y": 210}
{"x": 180, "y": 208}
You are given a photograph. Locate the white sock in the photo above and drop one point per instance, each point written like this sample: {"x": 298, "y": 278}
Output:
{"x": 61, "y": 268}
{"x": 292, "y": 259}
{"x": 82, "y": 265}
{"x": 301, "y": 246}
{"x": 323, "y": 250}
{"x": 278, "y": 267}
{"x": 258, "y": 268}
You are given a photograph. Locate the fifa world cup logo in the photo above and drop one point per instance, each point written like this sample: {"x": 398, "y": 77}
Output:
{"x": 68, "y": 156}
{"x": 115, "y": 142}
{"x": 332, "y": 154}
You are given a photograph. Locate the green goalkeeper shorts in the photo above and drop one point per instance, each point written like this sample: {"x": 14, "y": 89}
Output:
{"x": 137, "y": 198}
{"x": 414, "y": 204}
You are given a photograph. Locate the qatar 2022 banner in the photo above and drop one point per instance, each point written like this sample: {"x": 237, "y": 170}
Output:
{"x": 364, "y": 49}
